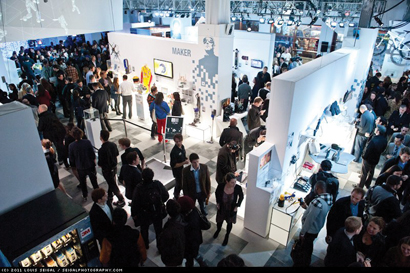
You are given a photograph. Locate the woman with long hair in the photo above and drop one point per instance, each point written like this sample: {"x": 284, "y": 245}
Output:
{"x": 161, "y": 111}
{"x": 177, "y": 106}
{"x": 43, "y": 97}
{"x": 393, "y": 170}
{"x": 14, "y": 92}
{"x": 229, "y": 197}
{"x": 370, "y": 243}
{"x": 115, "y": 95}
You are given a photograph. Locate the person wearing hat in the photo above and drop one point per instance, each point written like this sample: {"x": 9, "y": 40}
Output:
{"x": 371, "y": 155}
{"x": 323, "y": 174}
{"x": 193, "y": 231}
{"x": 226, "y": 161}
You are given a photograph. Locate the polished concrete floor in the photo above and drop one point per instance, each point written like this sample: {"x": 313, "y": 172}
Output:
{"x": 255, "y": 250}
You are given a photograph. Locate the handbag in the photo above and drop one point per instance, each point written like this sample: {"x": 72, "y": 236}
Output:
{"x": 297, "y": 252}
{"x": 153, "y": 116}
{"x": 204, "y": 223}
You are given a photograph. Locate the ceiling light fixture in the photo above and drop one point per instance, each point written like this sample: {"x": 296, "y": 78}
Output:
{"x": 333, "y": 24}
{"x": 248, "y": 26}
{"x": 351, "y": 25}
{"x": 298, "y": 23}
{"x": 280, "y": 22}
{"x": 233, "y": 18}
{"x": 341, "y": 24}
{"x": 271, "y": 21}
{"x": 262, "y": 20}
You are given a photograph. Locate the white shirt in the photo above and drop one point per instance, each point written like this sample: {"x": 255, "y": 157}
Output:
{"x": 87, "y": 76}
{"x": 126, "y": 88}
{"x": 106, "y": 209}
{"x": 286, "y": 56}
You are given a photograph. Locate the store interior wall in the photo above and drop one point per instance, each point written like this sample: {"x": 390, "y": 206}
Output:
{"x": 300, "y": 96}
{"x": 23, "y": 176}
{"x": 254, "y": 45}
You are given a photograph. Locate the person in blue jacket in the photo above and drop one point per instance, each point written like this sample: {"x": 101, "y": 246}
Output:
{"x": 161, "y": 111}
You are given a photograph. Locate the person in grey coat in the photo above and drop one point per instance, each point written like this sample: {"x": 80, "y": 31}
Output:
{"x": 365, "y": 127}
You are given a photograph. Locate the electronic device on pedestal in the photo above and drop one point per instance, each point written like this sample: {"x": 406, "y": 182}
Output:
{"x": 213, "y": 114}
{"x": 302, "y": 184}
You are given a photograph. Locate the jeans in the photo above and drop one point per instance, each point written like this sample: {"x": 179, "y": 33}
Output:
{"x": 201, "y": 201}
{"x": 126, "y": 100}
{"x": 359, "y": 144}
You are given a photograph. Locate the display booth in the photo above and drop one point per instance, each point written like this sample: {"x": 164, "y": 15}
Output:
{"x": 299, "y": 114}
{"x": 200, "y": 69}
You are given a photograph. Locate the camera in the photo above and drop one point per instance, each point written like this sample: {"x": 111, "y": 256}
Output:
{"x": 301, "y": 201}
{"x": 235, "y": 147}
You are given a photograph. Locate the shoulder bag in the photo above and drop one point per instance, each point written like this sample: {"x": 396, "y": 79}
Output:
{"x": 297, "y": 253}
{"x": 204, "y": 223}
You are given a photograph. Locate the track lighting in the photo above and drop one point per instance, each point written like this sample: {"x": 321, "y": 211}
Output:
{"x": 262, "y": 20}
{"x": 271, "y": 21}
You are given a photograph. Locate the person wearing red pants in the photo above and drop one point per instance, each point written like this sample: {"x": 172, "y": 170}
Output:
{"x": 161, "y": 111}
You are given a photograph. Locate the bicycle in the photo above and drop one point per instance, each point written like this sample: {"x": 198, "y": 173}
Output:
{"x": 399, "y": 49}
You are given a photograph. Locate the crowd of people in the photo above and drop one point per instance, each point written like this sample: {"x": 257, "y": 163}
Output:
{"x": 363, "y": 229}
{"x": 367, "y": 228}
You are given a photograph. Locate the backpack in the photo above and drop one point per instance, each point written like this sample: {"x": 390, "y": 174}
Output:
{"x": 332, "y": 187}
{"x": 151, "y": 200}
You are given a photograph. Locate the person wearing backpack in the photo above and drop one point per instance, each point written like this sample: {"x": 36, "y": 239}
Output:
{"x": 323, "y": 174}
{"x": 171, "y": 241}
{"x": 123, "y": 246}
{"x": 147, "y": 204}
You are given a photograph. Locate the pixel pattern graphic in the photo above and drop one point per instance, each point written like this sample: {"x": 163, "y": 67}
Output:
{"x": 206, "y": 74}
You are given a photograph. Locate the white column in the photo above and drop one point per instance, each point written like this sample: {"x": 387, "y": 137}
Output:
{"x": 217, "y": 11}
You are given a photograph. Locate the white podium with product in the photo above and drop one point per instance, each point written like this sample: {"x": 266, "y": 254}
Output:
{"x": 93, "y": 126}
{"x": 262, "y": 189}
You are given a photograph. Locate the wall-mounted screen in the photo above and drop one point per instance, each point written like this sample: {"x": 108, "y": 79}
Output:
{"x": 256, "y": 63}
{"x": 265, "y": 159}
{"x": 163, "y": 68}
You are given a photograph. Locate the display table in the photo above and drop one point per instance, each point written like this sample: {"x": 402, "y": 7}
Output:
{"x": 341, "y": 166}
{"x": 221, "y": 125}
{"x": 283, "y": 221}
{"x": 198, "y": 130}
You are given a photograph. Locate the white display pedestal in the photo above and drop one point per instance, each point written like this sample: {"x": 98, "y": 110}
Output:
{"x": 199, "y": 131}
{"x": 93, "y": 126}
{"x": 221, "y": 125}
{"x": 139, "y": 104}
{"x": 262, "y": 189}
{"x": 283, "y": 223}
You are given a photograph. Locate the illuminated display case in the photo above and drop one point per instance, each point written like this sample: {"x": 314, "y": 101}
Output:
{"x": 50, "y": 231}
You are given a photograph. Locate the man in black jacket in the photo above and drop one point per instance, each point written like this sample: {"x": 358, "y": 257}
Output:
{"x": 341, "y": 251}
{"x": 52, "y": 128}
{"x": 397, "y": 119}
{"x": 101, "y": 214}
{"x": 67, "y": 93}
{"x": 371, "y": 155}
{"x": 226, "y": 161}
{"x": 130, "y": 175}
{"x": 344, "y": 207}
{"x": 403, "y": 161}
{"x": 107, "y": 160}
{"x": 82, "y": 156}
{"x": 255, "y": 138}
{"x": 232, "y": 133}
{"x": 99, "y": 100}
